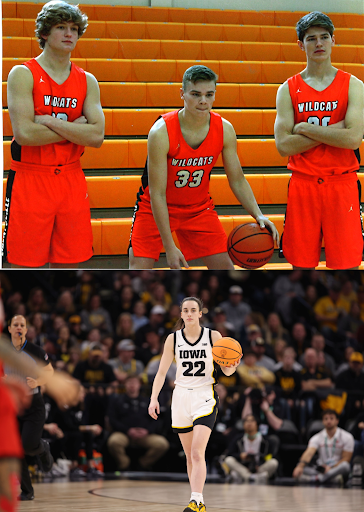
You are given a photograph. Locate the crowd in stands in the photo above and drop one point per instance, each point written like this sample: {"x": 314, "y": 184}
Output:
{"x": 302, "y": 335}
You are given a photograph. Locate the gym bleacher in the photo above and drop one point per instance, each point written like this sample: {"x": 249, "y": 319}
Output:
{"x": 139, "y": 55}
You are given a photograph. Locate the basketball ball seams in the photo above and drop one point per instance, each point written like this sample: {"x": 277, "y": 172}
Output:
{"x": 250, "y": 246}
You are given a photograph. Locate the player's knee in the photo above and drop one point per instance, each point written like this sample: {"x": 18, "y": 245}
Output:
{"x": 197, "y": 455}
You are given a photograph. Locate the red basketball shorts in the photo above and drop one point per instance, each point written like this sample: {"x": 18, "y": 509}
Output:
{"x": 199, "y": 234}
{"x": 10, "y": 443}
{"x": 325, "y": 207}
{"x": 47, "y": 215}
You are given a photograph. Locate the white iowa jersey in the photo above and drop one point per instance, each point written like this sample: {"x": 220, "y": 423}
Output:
{"x": 195, "y": 366}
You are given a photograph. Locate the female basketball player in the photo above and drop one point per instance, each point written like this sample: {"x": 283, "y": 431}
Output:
{"x": 194, "y": 402}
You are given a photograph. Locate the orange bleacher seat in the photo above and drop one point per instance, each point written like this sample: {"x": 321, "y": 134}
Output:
{"x": 137, "y": 154}
{"x": 134, "y": 122}
{"x": 7, "y": 129}
{"x": 108, "y": 113}
{"x": 256, "y": 18}
{"x": 349, "y": 36}
{"x": 354, "y": 69}
{"x": 113, "y": 191}
{"x": 114, "y": 94}
{"x": 353, "y": 20}
{"x": 262, "y": 153}
{"x": 97, "y": 29}
{"x": 196, "y": 32}
{"x": 257, "y": 95}
{"x": 149, "y": 14}
{"x": 278, "y": 72}
{"x": 269, "y": 117}
{"x": 167, "y": 95}
{"x": 278, "y": 34}
{"x": 29, "y": 28}
{"x": 96, "y": 226}
{"x": 9, "y": 63}
{"x": 8, "y": 9}
{"x": 186, "y": 15}
{"x": 111, "y": 12}
{"x": 292, "y": 53}
{"x": 125, "y": 30}
{"x": 240, "y": 72}
{"x": 245, "y": 122}
{"x": 113, "y": 70}
{"x": 259, "y": 51}
{"x": 115, "y": 235}
{"x": 112, "y": 155}
{"x": 241, "y": 33}
{"x": 17, "y": 47}
{"x": 97, "y": 49}
{"x": 287, "y": 18}
{"x": 158, "y": 30}
{"x": 27, "y": 10}
{"x": 221, "y": 50}
{"x": 186, "y": 50}
{"x": 143, "y": 49}
{"x": 13, "y": 27}
{"x": 347, "y": 54}
{"x": 153, "y": 71}
{"x": 225, "y": 17}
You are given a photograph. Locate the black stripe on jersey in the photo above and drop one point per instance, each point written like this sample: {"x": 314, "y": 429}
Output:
{"x": 357, "y": 154}
{"x": 361, "y": 211}
{"x": 280, "y": 252}
{"x": 15, "y": 151}
{"x": 210, "y": 337}
{"x": 9, "y": 188}
{"x": 192, "y": 344}
{"x": 174, "y": 342}
{"x": 136, "y": 208}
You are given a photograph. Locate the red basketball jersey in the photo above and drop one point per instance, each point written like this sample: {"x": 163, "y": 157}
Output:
{"x": 322, "y": 108}
{"x": 189, "y": 169}
{"x": 64, "y": 101}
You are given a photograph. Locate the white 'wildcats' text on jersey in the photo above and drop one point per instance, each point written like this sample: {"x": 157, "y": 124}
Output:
{"x": 195, "y": 366}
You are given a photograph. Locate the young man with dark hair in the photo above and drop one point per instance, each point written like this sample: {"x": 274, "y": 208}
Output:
{"x": 335, "y": 448}
{"x": 55, "y": 112}
{"x": 183, "y": 147}
{"x": 319, "y": 126}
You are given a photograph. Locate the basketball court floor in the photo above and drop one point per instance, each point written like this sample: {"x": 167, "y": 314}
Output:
{"x": 147, "y": 496}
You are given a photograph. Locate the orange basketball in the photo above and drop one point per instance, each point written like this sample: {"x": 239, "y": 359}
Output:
{"x": 250, "y": 246}
{"x": 226, "y": 351}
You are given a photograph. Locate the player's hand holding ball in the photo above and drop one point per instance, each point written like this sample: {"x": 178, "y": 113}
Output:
{"x": 227, "y": 352}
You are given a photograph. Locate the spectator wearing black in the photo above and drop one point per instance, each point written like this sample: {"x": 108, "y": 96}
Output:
{"x": 299, "y": 338}
{"x": 73, "y": 423}
{"x": 319, "y": 344}
{"x": 286, "y": 288}
{"x": 132, "y": 425}
{"x": 313, "y": 377}
{"x": 248, "y": 457}
{"x": 275, "y": 330}
{"x": 93, "y": 370}
{"x": 219, "y": 320}
{"x": 289, "y": 382}
{"x": 259, "y": 347}
{"x": 156, "y": 322}
{"x": 352, "y": 381}
{"x": 94, "y": 315}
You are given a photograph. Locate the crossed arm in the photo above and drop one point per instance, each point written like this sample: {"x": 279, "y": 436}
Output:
{"x": 39, "y": 130}
{"x": 293, "y": 139}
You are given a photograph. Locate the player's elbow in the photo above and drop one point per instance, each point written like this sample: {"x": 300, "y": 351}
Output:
{"x": 96, "y": 141}
{"x": 281, "y": 150}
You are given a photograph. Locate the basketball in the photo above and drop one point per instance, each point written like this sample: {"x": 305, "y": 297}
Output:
{"x": 250, "y": 246}
{"x": 226, "y": 351}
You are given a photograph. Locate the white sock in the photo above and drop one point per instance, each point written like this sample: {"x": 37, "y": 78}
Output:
{"x": 197, "y": 497}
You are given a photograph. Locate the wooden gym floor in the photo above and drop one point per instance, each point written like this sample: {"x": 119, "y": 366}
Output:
{"x": 139, "y": 496}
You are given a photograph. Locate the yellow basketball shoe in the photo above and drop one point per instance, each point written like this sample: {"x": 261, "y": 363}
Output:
{"x": 202, "y": 508}
{"x": 192, "y": 507}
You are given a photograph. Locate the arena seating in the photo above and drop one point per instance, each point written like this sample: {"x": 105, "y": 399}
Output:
{"x": 139, "y": 55}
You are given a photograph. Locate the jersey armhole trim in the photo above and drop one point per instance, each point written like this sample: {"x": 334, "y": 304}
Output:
{"x": 210, "y": 337}
{"x": 174, "y": 342}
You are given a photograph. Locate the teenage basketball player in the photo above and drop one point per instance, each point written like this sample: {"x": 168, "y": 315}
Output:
{"x": 319, "y": 125}
{"x": 55, "y": 112}
{"x": 14, "y": 399}
{"x": 183, "y": 147}
{"x": 194, "y": 402}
